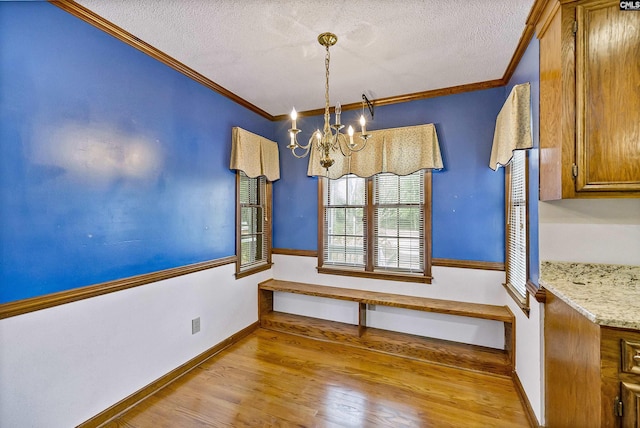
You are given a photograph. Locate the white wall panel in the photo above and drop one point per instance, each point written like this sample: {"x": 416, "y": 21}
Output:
{"x": 316, "y": 307}
{"x": 591, "y": 231}
{"x": 63, "y": 365}
{"x": 439, "y": 326}
{"x": 530, "y": 353}
{"x": 470, "y": 285}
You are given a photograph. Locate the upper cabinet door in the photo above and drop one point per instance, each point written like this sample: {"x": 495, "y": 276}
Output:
{"x": 607, "y": 97}
{"x": 589, "y": 100}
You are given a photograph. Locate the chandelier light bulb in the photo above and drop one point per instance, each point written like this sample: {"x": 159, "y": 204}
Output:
{"x": 294, "y": 116}
{"x": 363, "y": 124}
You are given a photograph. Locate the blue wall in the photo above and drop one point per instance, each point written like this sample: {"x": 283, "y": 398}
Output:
{"x": 468, "y": 197}
{"x": 528, "y": 70}
{"x": 111, "y": 163}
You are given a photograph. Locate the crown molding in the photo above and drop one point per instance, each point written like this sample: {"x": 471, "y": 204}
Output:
{"x": 109, "y": 27}
{"x": 96, "y": 20}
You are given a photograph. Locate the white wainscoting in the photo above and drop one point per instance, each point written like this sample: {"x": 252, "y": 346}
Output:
{"x": 63, "y": 365}
{"x": 530, "y": 353}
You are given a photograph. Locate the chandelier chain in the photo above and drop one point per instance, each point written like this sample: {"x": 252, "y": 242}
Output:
{"x": 327, "y": 59}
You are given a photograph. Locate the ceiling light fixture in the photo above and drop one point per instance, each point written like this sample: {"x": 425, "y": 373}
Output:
{"x": 329, "y": 141}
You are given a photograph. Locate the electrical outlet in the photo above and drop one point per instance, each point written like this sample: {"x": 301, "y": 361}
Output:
{"x": 195, "y": 325}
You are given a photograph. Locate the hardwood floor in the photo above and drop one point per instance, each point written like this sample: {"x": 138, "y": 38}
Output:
{"x": 272, "y": 379}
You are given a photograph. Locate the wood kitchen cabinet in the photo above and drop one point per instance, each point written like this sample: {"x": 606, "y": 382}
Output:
{"x": 589, "y": 100}
{"x": 592, "y": 371}
{"x": 630, "y": 400}
{"x": 629, "y": 404}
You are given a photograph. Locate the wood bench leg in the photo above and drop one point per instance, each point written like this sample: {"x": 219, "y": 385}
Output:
{"x": 362, "y": 318}
{"x": 265, "y": 303}
{"x": 510, "y": 342}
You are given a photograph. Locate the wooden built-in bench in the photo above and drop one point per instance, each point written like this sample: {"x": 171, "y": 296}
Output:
{"x": 473, "y": 357}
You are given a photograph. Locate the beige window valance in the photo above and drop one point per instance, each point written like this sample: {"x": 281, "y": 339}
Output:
{"x": 513, "y": 126}
{"x": 401, "y": 151}
{"x": 254, "y": 155}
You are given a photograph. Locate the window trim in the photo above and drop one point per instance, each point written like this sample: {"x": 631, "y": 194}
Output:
{"x": 258, "y": 267}
{"x": 521, "y": 301}
{"x": 368, "y": 272}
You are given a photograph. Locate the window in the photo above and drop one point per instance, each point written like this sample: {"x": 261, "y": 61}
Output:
{"x": 344, "y": 220}
{"x": 376, "y": 227}
{"x": 398, "y": 222}
{"x": 516, "y": 231}
{"x": 253, "y": 227}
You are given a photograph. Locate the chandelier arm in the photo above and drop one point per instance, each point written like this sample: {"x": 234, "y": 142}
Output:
{"x": 348, "y": 147}
{"x": 294, "y": 140}
{"x": 342, "y": 142}
{"x": 305, "y": 148}
{"x": 359, "y": 148}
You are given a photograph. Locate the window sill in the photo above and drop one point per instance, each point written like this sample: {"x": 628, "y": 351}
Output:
{"x": 390, "y": 276}
{"x": 537, "y": 292}
{"x": 254, "y": 269}
{"x": 522, "y": 302}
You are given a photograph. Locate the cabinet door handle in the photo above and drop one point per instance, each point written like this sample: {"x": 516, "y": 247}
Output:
{"x": 636, "y": 358}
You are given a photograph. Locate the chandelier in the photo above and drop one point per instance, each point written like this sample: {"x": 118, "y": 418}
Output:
{"x": 331, "y": 139}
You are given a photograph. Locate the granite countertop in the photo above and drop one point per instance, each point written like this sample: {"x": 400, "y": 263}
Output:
{"x": 608, "y": 295}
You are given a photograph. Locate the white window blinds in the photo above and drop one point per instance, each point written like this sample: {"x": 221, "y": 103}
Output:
{"x": 253, "y": 240}
{"x": 344, "y": 221}
{"x": 517, "y": 224}
{"x": 398, "y": 222}
{"x": 395, "y": 239}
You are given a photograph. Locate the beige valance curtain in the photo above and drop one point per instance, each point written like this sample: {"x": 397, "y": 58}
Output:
{"x": 401, "y": 151}
{"x": 513, "y": 126}
{"x": 254, "y": 155}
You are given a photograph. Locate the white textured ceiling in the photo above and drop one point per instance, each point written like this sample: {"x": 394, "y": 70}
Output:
{"x": 266, "y": 51}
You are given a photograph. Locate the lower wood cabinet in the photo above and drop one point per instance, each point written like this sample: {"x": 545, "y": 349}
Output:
{"x": 630, "y": 400}
{"x": 592, "y": 372}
